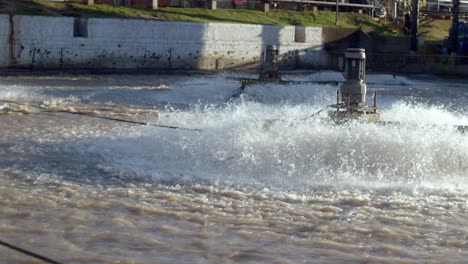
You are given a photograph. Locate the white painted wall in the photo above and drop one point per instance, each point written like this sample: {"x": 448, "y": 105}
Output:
{"x": 48, "y": 42}
{"x": 39, "y": 40}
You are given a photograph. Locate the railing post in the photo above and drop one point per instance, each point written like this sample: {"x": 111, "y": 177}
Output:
{"x": 212, "y": 4}
{"x": 152, "y": 4}
{"x": 265, "y": 6}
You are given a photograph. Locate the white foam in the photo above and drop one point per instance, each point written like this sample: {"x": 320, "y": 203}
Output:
{"x": 267, "y": 137}
{"x": 238, "y": 146}
{"x": 13, "y": 92}
{"x": 419, "y": 113}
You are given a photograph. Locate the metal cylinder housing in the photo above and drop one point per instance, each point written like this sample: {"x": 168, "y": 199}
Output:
{"x": 353, "y": 91}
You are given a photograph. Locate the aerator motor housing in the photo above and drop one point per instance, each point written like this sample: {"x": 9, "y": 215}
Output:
{"x": 351, "y": 96}
{"x": 269, "y": 66}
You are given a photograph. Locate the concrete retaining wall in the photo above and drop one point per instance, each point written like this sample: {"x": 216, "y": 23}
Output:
{"x": 67, "y": 42}
{"x": 4, "y": 40}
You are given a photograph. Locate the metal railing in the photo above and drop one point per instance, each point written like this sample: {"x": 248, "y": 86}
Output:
{"x": 297, "y": 5}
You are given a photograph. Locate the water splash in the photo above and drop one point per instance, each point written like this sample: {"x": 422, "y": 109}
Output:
{"x": 268, "y": 137}
{"x": 279, "y": 145}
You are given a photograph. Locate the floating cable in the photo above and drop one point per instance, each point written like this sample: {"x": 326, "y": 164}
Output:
{"x": 318, "y": 112}
{"x": 103, "y": 117}
{"x": 336, "y": 82}
{"x": 270, "y": 121}
{"x": 130, "y": 121}
{"x": 246, "y": 82}
{"x": 29, "y": 253}
{"x": 237, "y": 93}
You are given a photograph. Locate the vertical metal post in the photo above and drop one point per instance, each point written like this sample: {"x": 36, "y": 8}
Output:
{"x": 394, "y": 10}
{"x": 414, "y": 25}
{"x": 337, "y": 99}
{"x": 152, "y": 4}
{"x": 336, "y": 11}
{"x": 212, "y": 4}
{"x": 453, "y": 35}
{"x": 375, "y": 102}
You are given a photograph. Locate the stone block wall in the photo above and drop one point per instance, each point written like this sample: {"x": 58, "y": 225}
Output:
{"x": 68, "y": 42}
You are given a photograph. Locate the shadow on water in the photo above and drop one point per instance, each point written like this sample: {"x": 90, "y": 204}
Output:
{"x": 58, "y": 162}
{"x": 145, "y": 91}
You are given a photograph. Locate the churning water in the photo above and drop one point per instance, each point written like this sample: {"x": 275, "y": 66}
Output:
{"x": 264, "y": 180}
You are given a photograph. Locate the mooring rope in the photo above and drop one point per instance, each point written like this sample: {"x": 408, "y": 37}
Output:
{"x": 101, "y": 117}
{"x": 29, "y": 253}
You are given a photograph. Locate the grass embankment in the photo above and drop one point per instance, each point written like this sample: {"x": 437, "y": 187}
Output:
{"x": 431, "y": 29}
{"x": 435, "y": 29}
{"x": 274, "y": 17}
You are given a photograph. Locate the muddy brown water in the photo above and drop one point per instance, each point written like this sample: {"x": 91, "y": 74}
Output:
{"x": 297, "y": 190}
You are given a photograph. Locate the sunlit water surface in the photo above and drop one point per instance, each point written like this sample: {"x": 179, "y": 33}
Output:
{"x": 266, "y": 180}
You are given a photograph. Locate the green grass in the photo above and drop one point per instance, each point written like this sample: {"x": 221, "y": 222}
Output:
{"x": 435, "y": 29}
{"x": 274, "y": 17}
